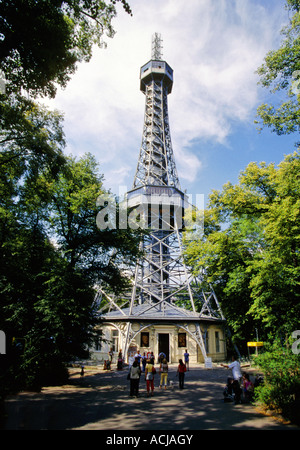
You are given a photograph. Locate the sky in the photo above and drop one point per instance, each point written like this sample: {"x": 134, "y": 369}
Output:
{"x": 214, "y": 48}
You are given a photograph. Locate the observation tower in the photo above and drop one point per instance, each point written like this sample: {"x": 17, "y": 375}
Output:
{"x": 168, "y": 309}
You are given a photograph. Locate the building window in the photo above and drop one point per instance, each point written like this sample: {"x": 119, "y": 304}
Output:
{"x": 144, "y": 339}
{"x": 98, "y": 341}
{"x": 217, "y": 339}
{"x": 115, "y": 340}
{"x": 181, "y": 339}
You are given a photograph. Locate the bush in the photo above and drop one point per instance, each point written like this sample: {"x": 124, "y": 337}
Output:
{"x": 280, "y": 391}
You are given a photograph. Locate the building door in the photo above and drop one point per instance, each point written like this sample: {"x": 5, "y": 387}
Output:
{"x": 163, "y": 344}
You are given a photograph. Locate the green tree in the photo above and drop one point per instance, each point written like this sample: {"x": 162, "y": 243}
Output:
{"x": 72, "y": 217}
{"x": 275, "y": 282}
{"x": 53, "y": 256}
{"x": 280, "y": 391}
{"x": 42, "y": 41}
{"x": 30, "y": 135}
{"x": 51, "y": 250}
{"x": 252, "y": 252}
{"x": 281, "y": 72}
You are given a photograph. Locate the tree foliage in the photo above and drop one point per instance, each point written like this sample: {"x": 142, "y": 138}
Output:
{"x": 42, "y": 41}
{"x": 281, "y": 72}
{"x": 280, "y": 391}
{"x": 51, "y": 250}
{"x": 252, "y": 253}
{"x": 53, "y": 255}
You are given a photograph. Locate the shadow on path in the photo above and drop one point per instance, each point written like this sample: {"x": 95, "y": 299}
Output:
{"x": 100, "y": 401}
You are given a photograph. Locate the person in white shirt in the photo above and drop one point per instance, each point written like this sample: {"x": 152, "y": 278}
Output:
{"x": 235, "y": 367}
{"x": 237, "y": 375}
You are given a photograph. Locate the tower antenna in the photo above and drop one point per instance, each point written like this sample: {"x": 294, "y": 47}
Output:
{"x": 156, "y": 47}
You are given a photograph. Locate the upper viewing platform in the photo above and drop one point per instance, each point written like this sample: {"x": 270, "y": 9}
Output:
{"x": 156, "y": 70}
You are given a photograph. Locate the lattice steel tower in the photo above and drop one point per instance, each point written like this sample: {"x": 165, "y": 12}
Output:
{"x": 163, "y": 289}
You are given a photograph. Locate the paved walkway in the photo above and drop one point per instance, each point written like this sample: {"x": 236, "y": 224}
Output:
{"x": 100, "y": 401}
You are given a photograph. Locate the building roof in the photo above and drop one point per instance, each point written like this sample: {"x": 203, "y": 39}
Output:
{"x": 155, "y": 312}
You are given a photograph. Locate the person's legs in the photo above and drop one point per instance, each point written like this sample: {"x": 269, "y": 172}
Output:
{"x": 131, "y": 387}
{"x": 181, "y": 375}
{"x": 165, "y": 377}
{"x": 152, "y": 386}
{"x": 161, "y": 380}
{"x": 136, "y": 387}
{"x": 237, "y": 391}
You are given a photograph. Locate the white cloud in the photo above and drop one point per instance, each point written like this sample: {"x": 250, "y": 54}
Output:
{"x": 214, "y": 47}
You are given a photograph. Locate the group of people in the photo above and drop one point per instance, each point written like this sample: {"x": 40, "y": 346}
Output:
{"x": 239, "y": 386}
{"x": 148, "y": 368}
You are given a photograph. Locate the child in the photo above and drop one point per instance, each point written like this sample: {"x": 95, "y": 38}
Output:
{"x": 181, "y": 369}
{"x": 228, "y": 392}
{"x": 248, "y": 388}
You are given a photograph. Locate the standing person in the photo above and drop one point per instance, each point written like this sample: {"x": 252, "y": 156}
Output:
{"x": 110, "y": 355}
{"x": 120, "y": 360}
{"x": 135, "y": 373}
{"x": 181, "y": 369}
{"x": 149, "y": 377}
{"x": 235, "y": 367}
{"x": 237, "y": 375}
{"x": 161, "y": 356}
{"x": 144, "y": 361}
{"x": 138, "y": 356}
{"x": 187, "y": 359}
{"x": 163, "y": 373}
{"x": 152, "y": 358}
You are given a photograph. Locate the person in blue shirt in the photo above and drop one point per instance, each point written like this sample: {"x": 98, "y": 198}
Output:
{"x": 161, "y": 356}
{"x": 138, "y": 356}
{"x": 187, "y": 359}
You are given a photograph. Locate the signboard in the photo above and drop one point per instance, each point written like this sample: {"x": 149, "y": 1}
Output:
{"x": 208, "y": 363}
{"x": 255, "y": 344}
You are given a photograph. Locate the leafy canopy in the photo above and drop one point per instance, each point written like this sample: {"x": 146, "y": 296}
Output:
{"x": 252, "y": 253}
{"x": 281, "y": 72}
{"x": 42, "y": 41}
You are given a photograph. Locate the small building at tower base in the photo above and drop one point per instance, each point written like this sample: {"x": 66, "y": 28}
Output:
{"x": 172, "y": 334}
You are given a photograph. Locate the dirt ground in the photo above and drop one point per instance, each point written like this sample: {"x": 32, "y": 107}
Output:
{"x": 100, "y": 401}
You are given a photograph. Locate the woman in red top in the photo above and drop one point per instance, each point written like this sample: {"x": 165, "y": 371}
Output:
{"x": 181, "y": 369}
